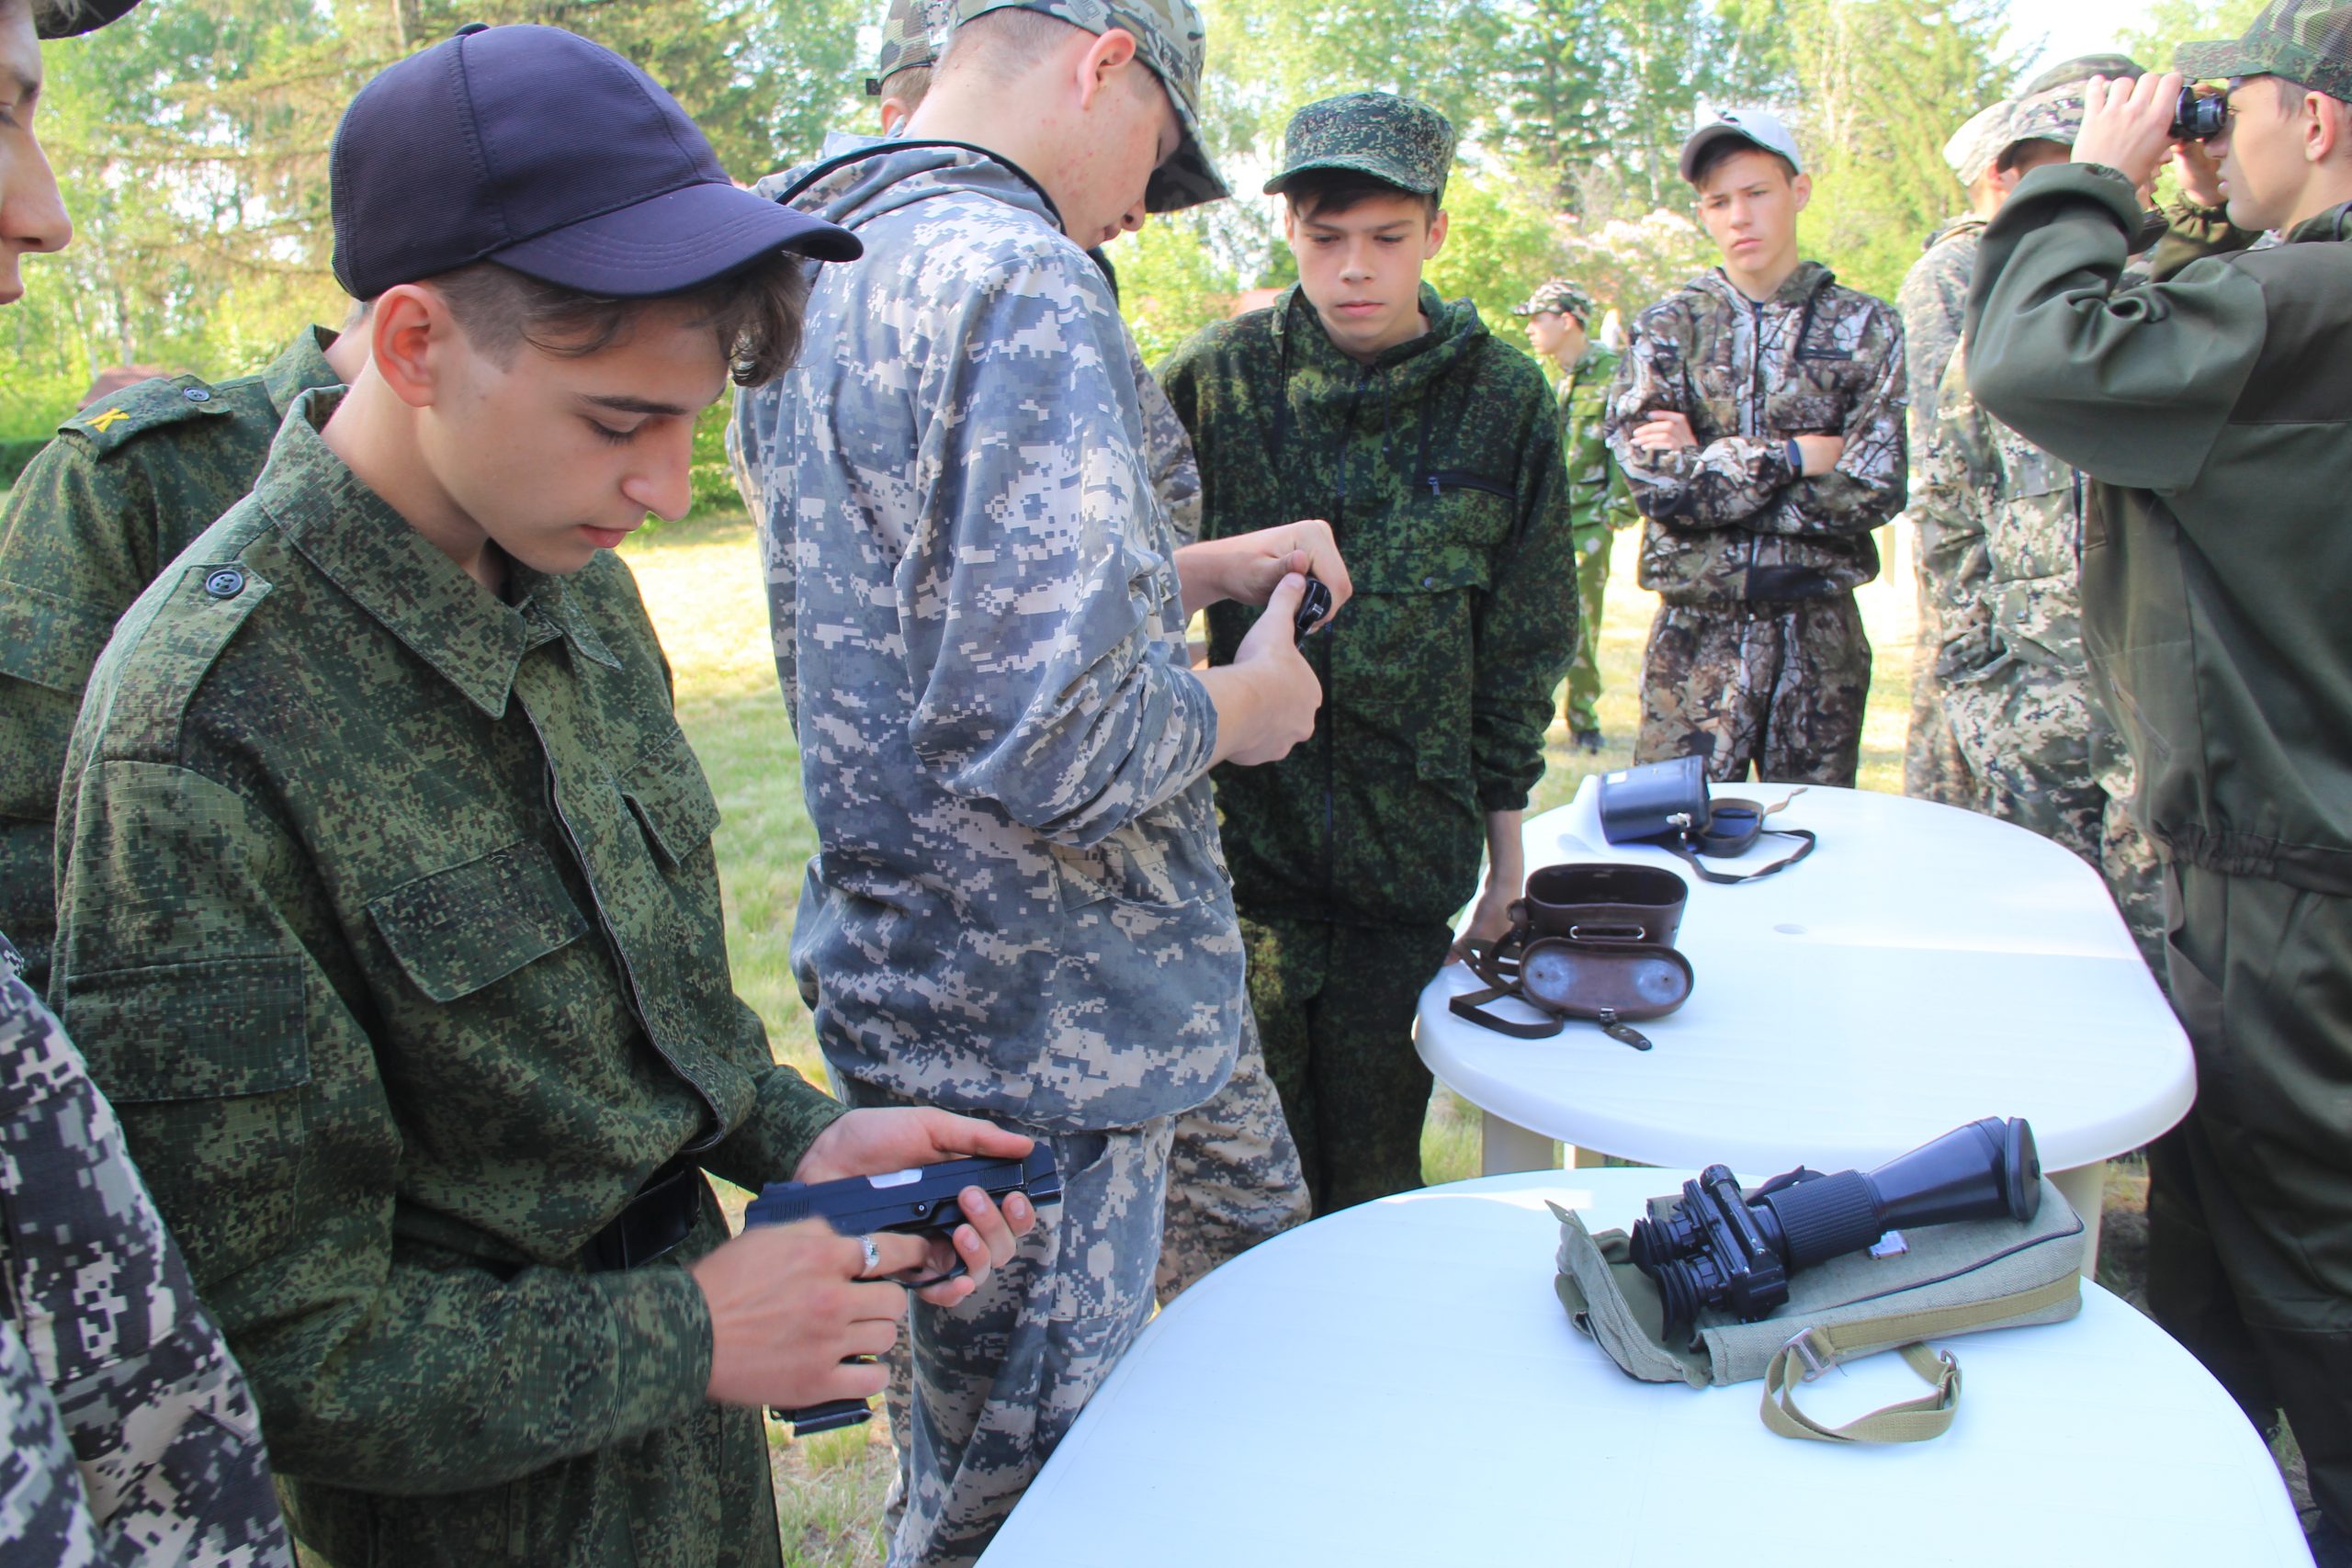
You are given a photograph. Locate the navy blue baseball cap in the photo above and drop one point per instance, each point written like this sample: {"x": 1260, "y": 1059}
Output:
{"x": 536, "y": 149}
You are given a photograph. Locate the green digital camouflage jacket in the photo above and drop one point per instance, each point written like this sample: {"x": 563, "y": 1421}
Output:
{"x": 388, "y": 920}
{"x": 1732, "y": 519}
{"x": 122, "y": 487}
{"x": 1439, "y": 467}
{"x": 1598, "y": 499}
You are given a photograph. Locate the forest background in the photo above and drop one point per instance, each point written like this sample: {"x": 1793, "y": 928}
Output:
{"x": 191, "y": 141}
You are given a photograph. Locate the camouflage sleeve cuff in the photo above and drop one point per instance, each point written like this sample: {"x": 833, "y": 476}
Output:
{"x": 660, "y": 1371}
{"x": 1502, "y": 795}
{"x": 785, "y": 1118}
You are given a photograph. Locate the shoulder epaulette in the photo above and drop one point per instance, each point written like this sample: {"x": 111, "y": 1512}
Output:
{"x": 149, "y": 405}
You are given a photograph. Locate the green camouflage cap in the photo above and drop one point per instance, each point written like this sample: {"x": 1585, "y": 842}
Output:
{"x": 2081, "y": 68}
{"x": 1976, "y": 145}
{"x": 906, "y": 41}
{"x": 1408, "y": 144}
{"x": 1558, "y": 294}
{"x": 2308, "y": 42}
{"x": 1170, "y": 40}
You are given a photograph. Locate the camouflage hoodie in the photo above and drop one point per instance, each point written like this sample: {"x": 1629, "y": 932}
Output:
{"x": 1733, "y": 520}
{"x": 1438, "y": 465}
{"x": 1017, "y": 907}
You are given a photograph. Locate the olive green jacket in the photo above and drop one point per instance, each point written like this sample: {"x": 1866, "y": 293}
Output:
{"x": 1439, "y": 468}
{"x": 1598, "y": 499}
{"x": 388, "y": 920}
{"x": 2212, "y": 411}
{"x": 120, "y": 491}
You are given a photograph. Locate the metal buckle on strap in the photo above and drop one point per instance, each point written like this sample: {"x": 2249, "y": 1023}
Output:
{"x": 1800, "y": 1345}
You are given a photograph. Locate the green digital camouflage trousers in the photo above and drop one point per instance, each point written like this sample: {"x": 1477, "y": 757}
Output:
{"x": 1334, "y": 1005}
{"x": 2250, "y": 1198}
{"x": 1778, "y": 687}
{"x": 1583, "y": 703}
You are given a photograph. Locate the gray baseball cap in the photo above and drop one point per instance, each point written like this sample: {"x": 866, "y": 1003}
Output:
{"x": 1170, "y": 40}
{"x": 1760, "y": 126}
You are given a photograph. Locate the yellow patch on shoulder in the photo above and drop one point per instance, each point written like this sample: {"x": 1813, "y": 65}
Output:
{"x": 107, "y": 418}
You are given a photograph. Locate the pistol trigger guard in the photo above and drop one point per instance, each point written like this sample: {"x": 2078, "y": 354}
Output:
{"x": 940, "y": 1278}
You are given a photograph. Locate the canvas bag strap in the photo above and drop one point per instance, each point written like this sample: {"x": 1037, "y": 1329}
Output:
{"x": 1809, "y": 1353}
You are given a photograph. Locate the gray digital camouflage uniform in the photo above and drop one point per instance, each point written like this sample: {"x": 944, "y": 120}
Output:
{"x": 1018, "y": 908}
{"x": 388, "y": 920}
{"x": 1757, "y": 655}
{"x": 1933, "y": 298}
{"x": 130, "y": 1437}
{"x": 2018, "y": 697}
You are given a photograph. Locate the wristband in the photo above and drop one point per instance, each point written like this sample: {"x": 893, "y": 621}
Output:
{"x": 1796, "y": 457}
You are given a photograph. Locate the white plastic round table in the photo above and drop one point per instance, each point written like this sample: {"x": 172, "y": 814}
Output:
{"x": 1397, "y": 1384}
{"x": 1924, "y": 967}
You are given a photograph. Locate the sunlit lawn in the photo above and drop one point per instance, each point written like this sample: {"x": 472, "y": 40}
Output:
{"x": 703, "y": 581}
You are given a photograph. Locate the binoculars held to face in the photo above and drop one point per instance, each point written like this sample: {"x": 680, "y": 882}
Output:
{"x": 1724, "y": 1249}
{"x": 2197, "y": 117}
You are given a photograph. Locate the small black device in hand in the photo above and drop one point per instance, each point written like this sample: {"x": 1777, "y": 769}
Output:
{"x": 920, "y": 1200}
{"x": 1313, "y": 605}
{"x": 1721, "y": 1248}
{"x": 2197, "y": 118}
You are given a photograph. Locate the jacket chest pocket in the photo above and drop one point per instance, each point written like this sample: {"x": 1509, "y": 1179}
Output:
{"x": 1459, "y": 509}
{"x": 456, "y": 930}
{"x": 670, "y": 796}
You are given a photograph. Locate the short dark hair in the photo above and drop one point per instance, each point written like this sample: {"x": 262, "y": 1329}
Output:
{"x": 1722, "y": 150}
{"x": 755, "y": 312}
{"x": 1328, "y": 193}
{"x": 1006, "y": 42}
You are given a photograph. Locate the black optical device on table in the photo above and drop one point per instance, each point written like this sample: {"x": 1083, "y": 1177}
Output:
{"x": 921, "y": 1201}
{"x": 2197, "y": 118}
{"x": 1723, "y": 1249}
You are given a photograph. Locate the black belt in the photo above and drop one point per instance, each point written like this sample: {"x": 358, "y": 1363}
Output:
{"x": 654, "y": 1223}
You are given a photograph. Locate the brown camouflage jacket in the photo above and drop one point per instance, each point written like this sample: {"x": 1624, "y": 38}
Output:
{"x": 1731, "y": 519}
{"x": 1933, "y": 298}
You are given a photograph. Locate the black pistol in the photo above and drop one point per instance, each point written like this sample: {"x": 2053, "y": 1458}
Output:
{"x": 1313, "y": 605}
{"x": 917, "y": 1201}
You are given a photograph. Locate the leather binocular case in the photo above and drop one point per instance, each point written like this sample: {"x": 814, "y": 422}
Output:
{"x": 1588, "y": 942}
{"x": 1667, "y": 803}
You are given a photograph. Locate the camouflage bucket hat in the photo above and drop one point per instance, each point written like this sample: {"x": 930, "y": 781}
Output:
{"x": 906, "y": 41}
{"x": 1408, "y": 144}
{"x": 1558, "y": 294}
{"x": 1170, "y": 40}
{"x": 1976, "y": 145}
{"x": 2081, "y": 68}
{"x": 2308, "y": 42}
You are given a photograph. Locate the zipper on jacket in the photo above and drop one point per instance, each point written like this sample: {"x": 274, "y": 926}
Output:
{"x": 1462, "y": 480}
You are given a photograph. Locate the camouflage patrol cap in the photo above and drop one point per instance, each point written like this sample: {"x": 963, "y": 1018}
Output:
{"x": 2308, "y": 42}
{"x": 2081, "y": 68}
{"x": 1558, "y": 294}
{"x": 2052, "y": 116}
{"x": 1170, "y": 40}
{"x": 906, "y": 41}
{"x": 1984, "y": 136}
{"x": 1406, "y": 143}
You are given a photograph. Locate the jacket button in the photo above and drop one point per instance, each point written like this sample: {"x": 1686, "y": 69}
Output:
{"x": 225, "y": 583}
{"x": 196, "y": 394}
{"x": 1429, "y": 582}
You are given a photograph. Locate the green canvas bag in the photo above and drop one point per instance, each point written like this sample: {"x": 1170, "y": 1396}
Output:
{"x": 1951, "y": 1279}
